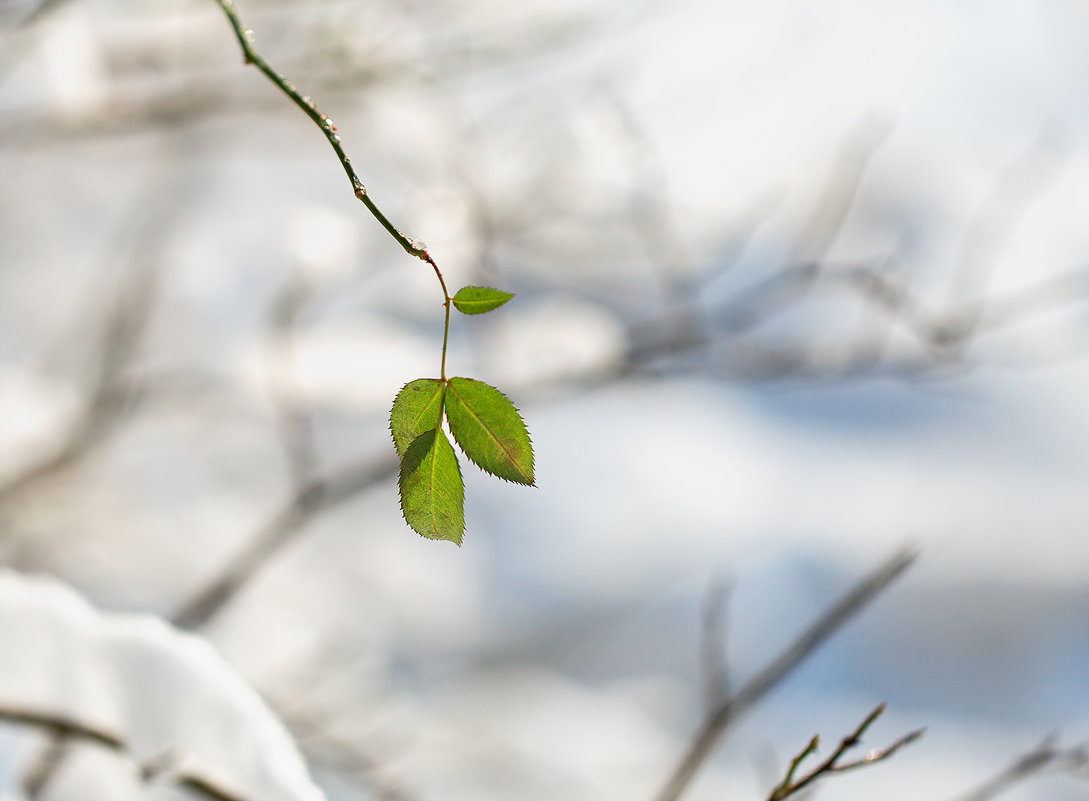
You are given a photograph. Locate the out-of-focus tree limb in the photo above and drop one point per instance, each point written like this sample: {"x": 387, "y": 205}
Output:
{"x": 112, "y": 392}
{"x": 720, "y": 717}
{"x": 65, "y": 730}
{"x": 282, "y": 526}
{"x": 714, "y": 665}
{"x": 1047, "y": 757}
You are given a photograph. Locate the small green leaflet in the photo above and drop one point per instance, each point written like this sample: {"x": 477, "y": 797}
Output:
{"x": 479, "y": 299}
{"x": 489, "y": 430}
{"x": 432, "y": 492}
{"x": 416, "y": 409}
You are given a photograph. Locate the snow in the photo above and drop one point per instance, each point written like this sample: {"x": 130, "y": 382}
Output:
{"x": 159, "y": 690}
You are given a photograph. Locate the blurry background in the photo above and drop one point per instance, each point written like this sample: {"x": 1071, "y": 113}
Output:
{"x": 798, "y": 283}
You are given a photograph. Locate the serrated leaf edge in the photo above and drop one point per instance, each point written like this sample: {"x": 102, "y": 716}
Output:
{"x": 442, "y": 389}
{"x": 533, "y": 481}
{"x": 461, "y": 478}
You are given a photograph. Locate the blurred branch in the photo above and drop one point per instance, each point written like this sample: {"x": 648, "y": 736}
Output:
{"x": 730, "y": 709}
{"x": 186, "y": 91}
{"x": 938, "y": 329}
{"x": 164, "y": 768}
{"x": 957, "y": 325}
{"x": 830, "y": 211}
{"x": 110, "y": 396}
{"x": 281, "y": 528}
{"x": 296, "y": 426}
{"x": 40, "y": 11}
{"x": 713, "y": 663}
{"x": 992, "y": 228}
{"x": 112, "y": 393}
{"x": 944, "y": 331}
{"x": 944, "y": 334}
{"x": 790, "y": 785}
{"x": 1046, "y": 757}
{"x": 650, "y": 209}
{"x": 346, "y": 758}
{"x": 62, "y": 726}
{"x": 297, "y": 700}
{"x": 805, "y": 262}
{"x": 316, "y": 496}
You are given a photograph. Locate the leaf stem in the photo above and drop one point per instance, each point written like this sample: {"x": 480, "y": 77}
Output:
{"x": 446, "y": 301}
{"x": 411, "y": 246}
{"x": 445, "y": 333}
{"x": 251, "y": 56}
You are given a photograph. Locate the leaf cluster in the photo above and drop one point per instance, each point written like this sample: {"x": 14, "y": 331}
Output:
{"x": 484, "y": 423}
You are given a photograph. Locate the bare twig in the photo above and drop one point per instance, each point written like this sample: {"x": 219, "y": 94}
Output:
{"x": 991, "y": 230}
{"x": 1046, "y": 757}
{"x": 315, "y": 721}
{"x": 713, "y": 662}
{"x": 109, "y": 397}
{"x": 720, "y": 718}
{"x": 40, "y": 11}
{"x": 62, "y": 726}
{"x": 742, "y": 357}
{"x": 807, "y": 258}
{"x": 111, "y": 392}
{"x": 296, "y": 426}
{"x": 282, "y": 526}
{"x": 982, "y": 315}
{"x": 63, "y": 729}
{"x": 325, "y": 749}
{"x": 789, "y": 785}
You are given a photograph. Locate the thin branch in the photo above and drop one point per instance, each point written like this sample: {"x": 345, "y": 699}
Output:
{"x": 877, "y": 754}
{"x": 63, "y": 729}
{"x": 296, "y": 424}
{"x": 806, "y": 262}
{"x": 983, "y": 316}
{"x": 992, "y": 228}
{"x": 325, "y": 749}
{"x": 111, "y": 393}
{"x": 40, "y": 12}
{"x": 58, "y": 725}
{"x": 720, "y": 718}
{"x": 282, "y": 527}
{"x": 109, "y": 396}
{"x": 250, "y": 56}
{"x": 1047, "y": 756}
{"x": 789, "y": 785}
{"x": 744, "y": 357}
{"x": 47, "y": 763}
{"x": 829, "y": 213}
{"x": 713, "y": 664}
{"x": 197, "y": 98}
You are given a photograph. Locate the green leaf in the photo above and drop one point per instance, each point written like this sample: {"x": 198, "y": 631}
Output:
{"x": 416, "y": 409}
{"x": 432, "y": 492}
{"x": 479, "y": 299}
{"x": 489, "y": 429}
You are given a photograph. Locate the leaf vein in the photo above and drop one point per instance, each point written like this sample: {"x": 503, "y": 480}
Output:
{"x": 511, "y": 455}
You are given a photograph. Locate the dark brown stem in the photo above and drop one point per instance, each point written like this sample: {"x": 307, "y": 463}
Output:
{"x": 729, "y": 710}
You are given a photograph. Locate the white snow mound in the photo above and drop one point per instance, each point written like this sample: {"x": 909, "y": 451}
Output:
{"x": 158, "y": 689}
